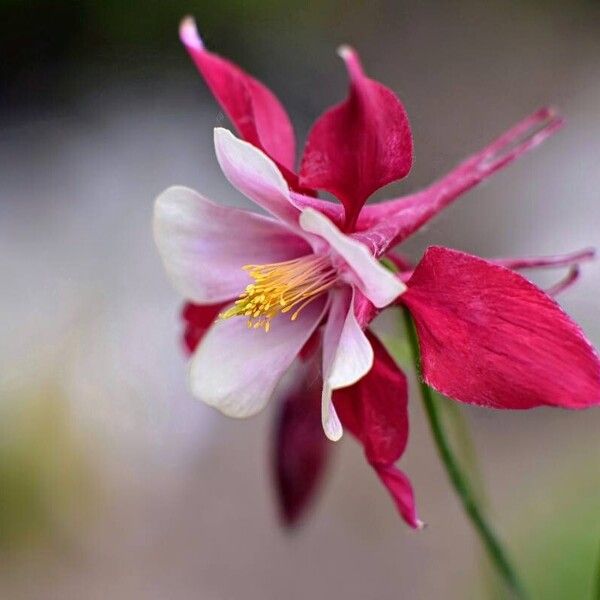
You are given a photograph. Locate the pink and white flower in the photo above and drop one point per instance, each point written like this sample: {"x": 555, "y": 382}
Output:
{"x": 290, "y": 272}
{"x": 307, "y": 273}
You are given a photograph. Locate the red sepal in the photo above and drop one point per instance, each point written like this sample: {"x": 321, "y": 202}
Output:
{"x": 359, "y": 145}
{"x": 375, "y": 411}
{"x": 490, "y": 337}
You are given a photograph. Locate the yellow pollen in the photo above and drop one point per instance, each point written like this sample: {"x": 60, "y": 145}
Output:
{"x": 280, "y": 288}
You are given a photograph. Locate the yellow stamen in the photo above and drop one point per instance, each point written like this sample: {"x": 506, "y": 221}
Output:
{"x": 281, "y": 287}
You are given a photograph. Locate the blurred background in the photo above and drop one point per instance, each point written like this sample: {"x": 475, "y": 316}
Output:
{"x": 114, "y": 482}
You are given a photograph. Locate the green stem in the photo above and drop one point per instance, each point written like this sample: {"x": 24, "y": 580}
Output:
{"x": 596, "y": 592}
{"x": 496, "y": 552}
{"x": 464, "y": 449}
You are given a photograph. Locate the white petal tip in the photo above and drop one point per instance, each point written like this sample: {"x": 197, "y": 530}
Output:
{"x": 226, "y": 143}
{"x": 188, "y": 34}
{"x": 394, "y": 290}
{"x": 166, "y": 195}
{"x": 334, "y": 434}
{"x": 221, "y": 133}
{"x": 225, "y": 405}
{"x": 329, "y": 419}
{"x": 420, "y": 525}
{"x": 345, "y": 52}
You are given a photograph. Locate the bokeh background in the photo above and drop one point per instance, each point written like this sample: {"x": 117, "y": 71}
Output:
{"x": 114, "y": 482}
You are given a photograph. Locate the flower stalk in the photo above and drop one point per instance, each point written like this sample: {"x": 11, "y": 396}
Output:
{"x": 458, "y": 478}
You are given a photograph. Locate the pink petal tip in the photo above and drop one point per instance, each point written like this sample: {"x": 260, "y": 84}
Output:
{"x": 350, "y": 57}
{"x": 188, "y": 34}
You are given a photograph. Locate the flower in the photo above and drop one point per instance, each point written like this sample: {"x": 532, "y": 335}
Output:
{"x": 290, "y": 273}
{"x": 307, "y": 275}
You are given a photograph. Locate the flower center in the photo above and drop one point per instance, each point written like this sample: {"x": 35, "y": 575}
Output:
{"x": 281, "y": 287}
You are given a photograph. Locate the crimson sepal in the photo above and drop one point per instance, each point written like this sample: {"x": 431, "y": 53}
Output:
{"x": 359, "y": 145}
{"x": 375, "y": 411}
{"x": 256, "y": 113}
{"x": 490, "y": 337}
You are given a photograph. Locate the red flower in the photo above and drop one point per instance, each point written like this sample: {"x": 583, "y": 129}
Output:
{"x": 487, "y": 335}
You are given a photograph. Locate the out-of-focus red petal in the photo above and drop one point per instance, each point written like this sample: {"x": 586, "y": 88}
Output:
{"x": 301, "y": 450}
{"x": 490, "y": 337}
{"x": 256, "y": 113}
{"x": 375, "y": 411}
{"x": 197, "y": 318}
{"x": 385, "y": 224}
{"x": 359, "y": 145}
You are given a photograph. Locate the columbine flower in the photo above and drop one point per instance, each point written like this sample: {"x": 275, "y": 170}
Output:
{"x": 263, "y": 290}
{"x": 290, "y": 274}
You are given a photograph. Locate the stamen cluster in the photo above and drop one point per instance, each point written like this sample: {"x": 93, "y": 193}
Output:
{"x": 281, "y": 287}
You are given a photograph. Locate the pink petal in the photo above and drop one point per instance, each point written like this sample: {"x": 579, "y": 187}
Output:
{"x": 236, "y": 369}
{"x": 347, "y": 355}
{"x": 301, "y": 451}
{"x": 256, "y": 113}
{"x": 400, "y": 488}
{"x": 255, "y": 175}
{"x": 386, "y": 224}
{"x": 376, "y": 282}
{"x": 204, "y": 245}
{"x": 490, "y": 337}
{"x": 197, "y": 319}
{"x": 375, "y": 411}
{"x": 359, "y": 145}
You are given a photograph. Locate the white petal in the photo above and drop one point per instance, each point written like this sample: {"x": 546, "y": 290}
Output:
{"x": 379, "y": 284}
{"x": 204, "y": 245}
{"x": 338, "y": 309}
{"x": 353, "y": 358}
{"x": 347, "y": 356}
{"x": 332, "y": 425}
{"x": 255, "y": 175}
{"x": 236, "y": 369}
